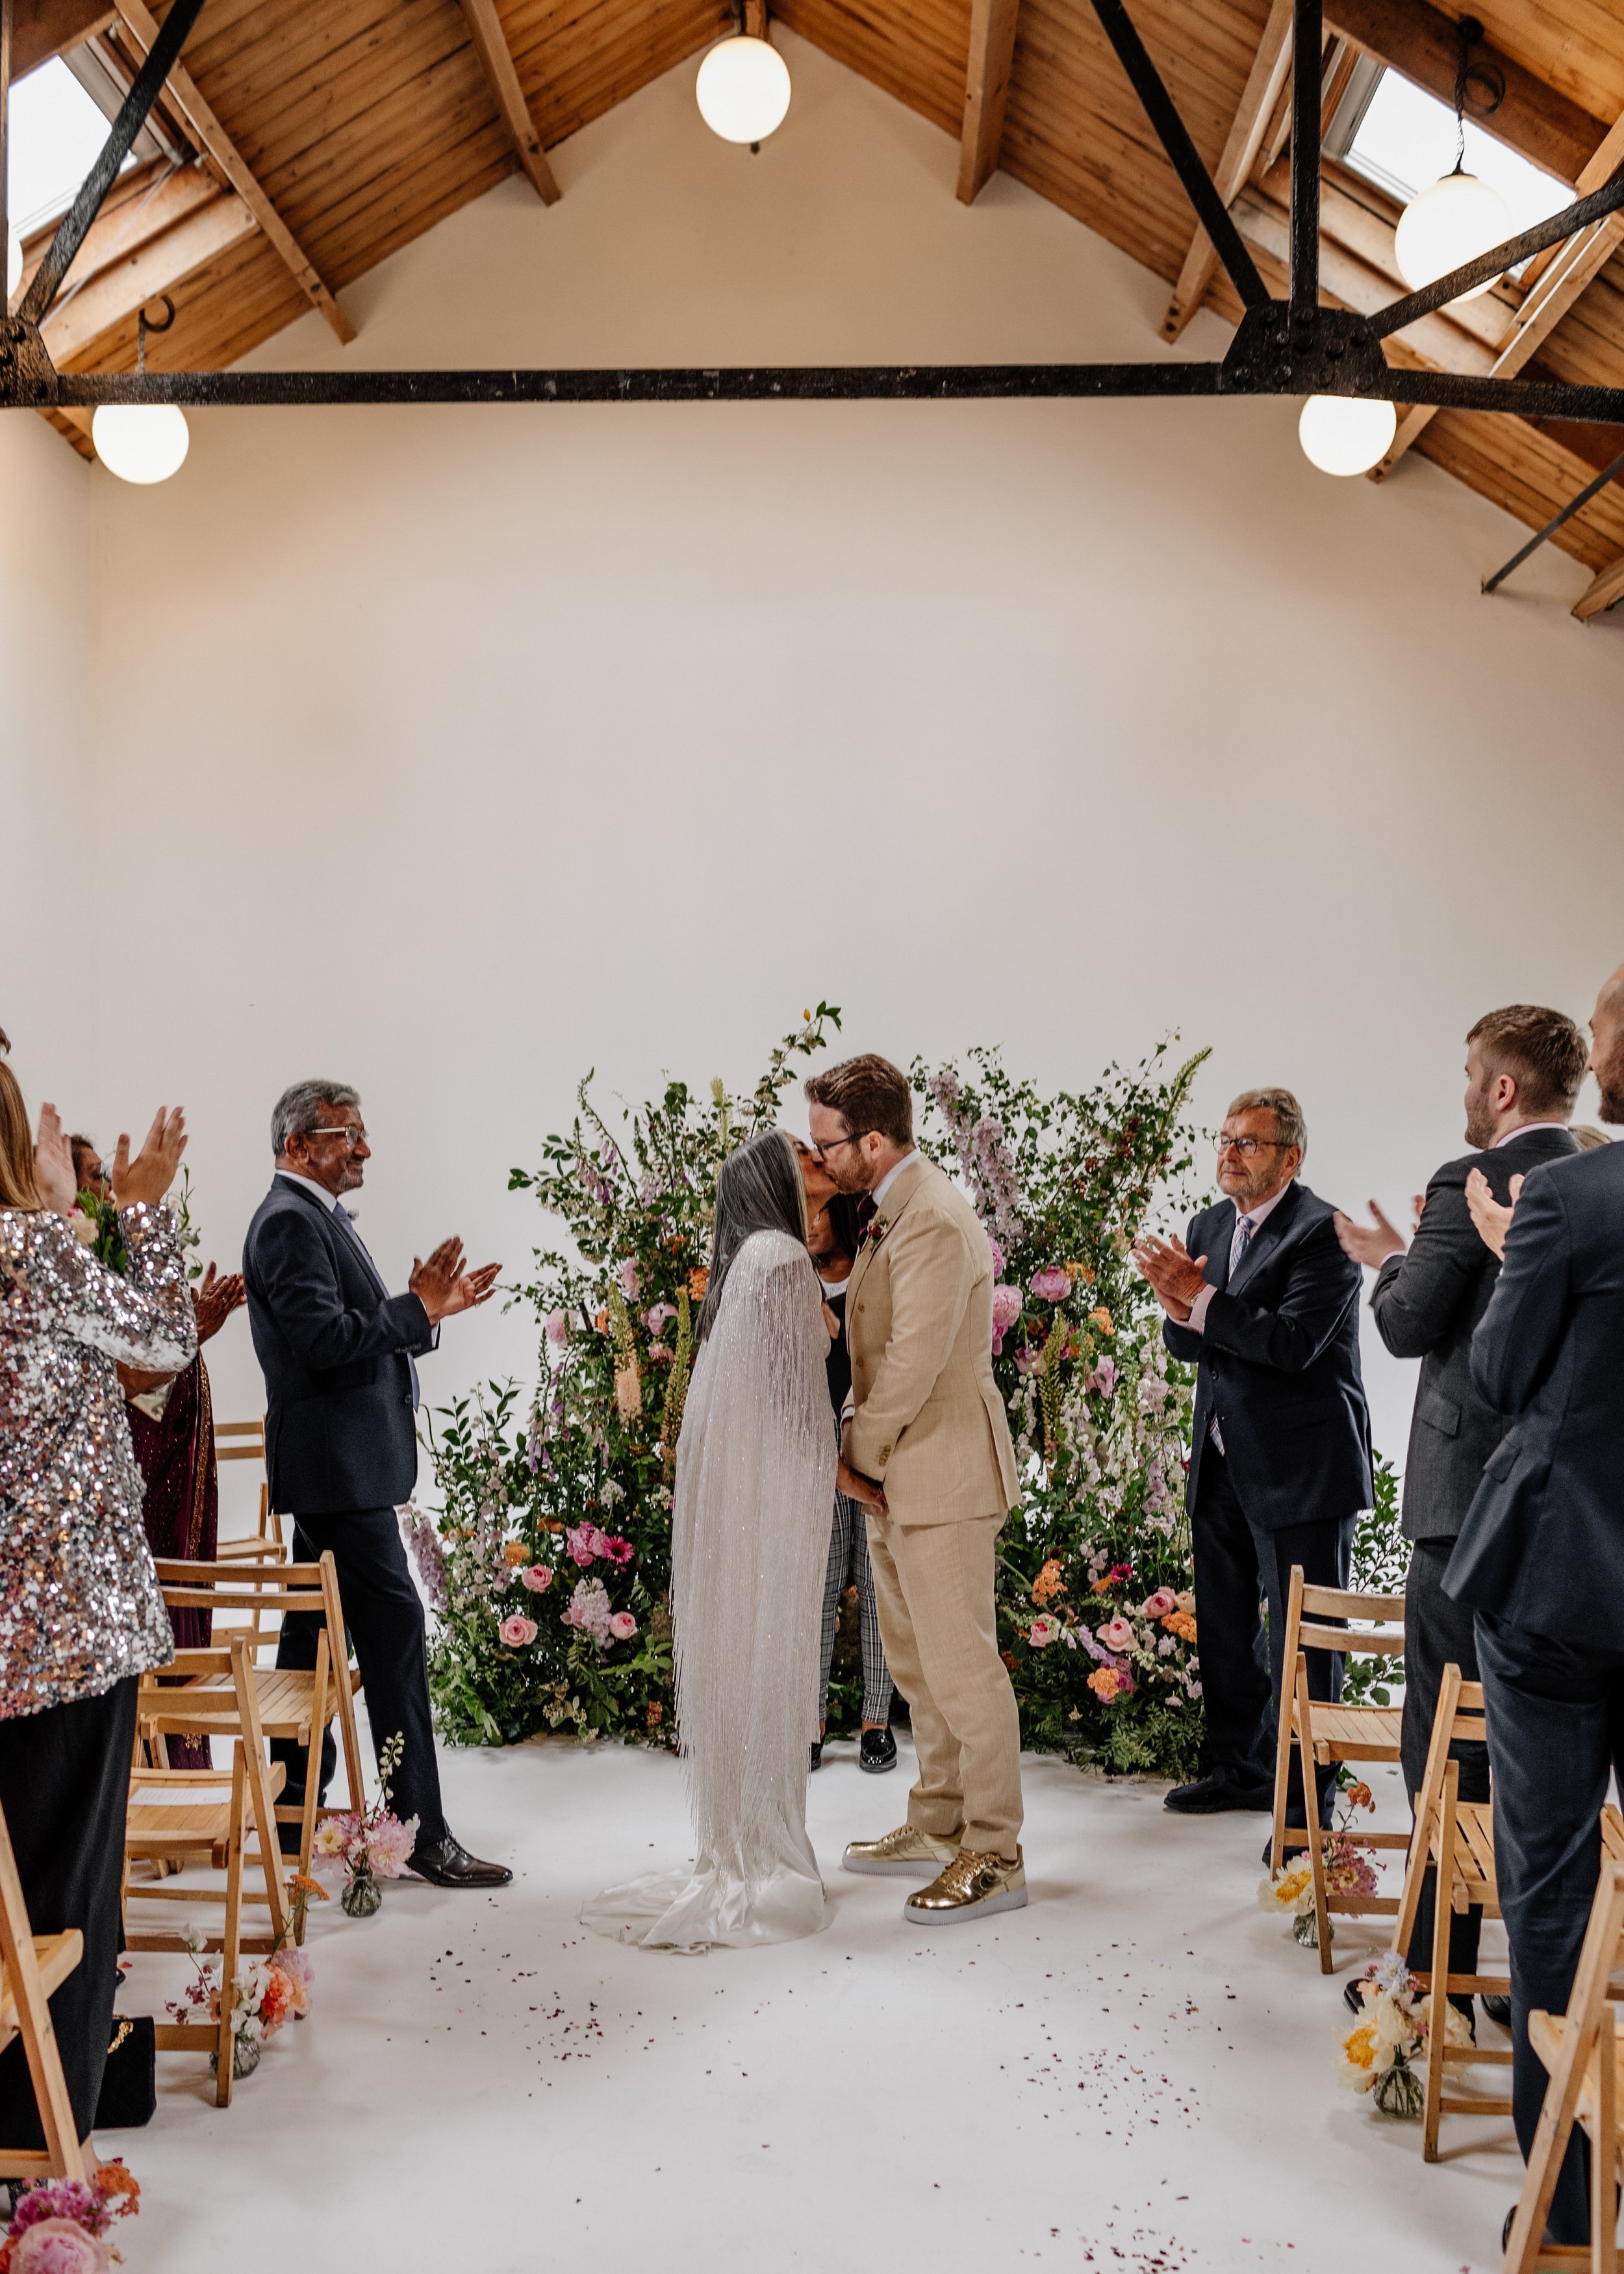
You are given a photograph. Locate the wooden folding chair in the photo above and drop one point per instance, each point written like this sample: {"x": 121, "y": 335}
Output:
{"x": 292, "y": 1704}
{"x": 190, "y": 1822}
{"x": 1323, "y": 1733}
{"x": 244, "y": 1440}
{"x": 1581, "y": 2051}
{"x": 32, "y": 1966}
{"x": 1458, "y": 1836}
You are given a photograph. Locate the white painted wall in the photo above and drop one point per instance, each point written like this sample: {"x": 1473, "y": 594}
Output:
{"x": 454, "y": 751}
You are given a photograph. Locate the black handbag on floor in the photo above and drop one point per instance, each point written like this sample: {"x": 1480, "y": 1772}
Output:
{"x": 128, "y": 2094}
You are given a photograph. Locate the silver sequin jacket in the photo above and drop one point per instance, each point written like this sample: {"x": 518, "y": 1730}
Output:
{"x": 80, "y": 1604}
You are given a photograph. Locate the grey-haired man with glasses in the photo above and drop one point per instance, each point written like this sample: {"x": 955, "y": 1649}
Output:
{"x": 338, "y": 1355}
{"x": 1265, "y": 1304}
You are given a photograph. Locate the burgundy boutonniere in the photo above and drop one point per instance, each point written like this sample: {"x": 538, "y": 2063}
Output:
{"x": 872, "y": 1233}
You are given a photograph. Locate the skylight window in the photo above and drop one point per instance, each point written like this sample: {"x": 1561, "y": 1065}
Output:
{"x": 1405, "y": 138}
{"x": 54, "y": 132}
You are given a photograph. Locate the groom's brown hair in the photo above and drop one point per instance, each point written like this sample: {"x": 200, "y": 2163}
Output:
{"x": 871, "y": 1092}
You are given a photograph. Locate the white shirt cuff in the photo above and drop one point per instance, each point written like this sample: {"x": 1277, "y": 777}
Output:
{"x": 1197, "y": 1321}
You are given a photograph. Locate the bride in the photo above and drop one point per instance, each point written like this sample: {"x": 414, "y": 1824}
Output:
{"x": 756, "y": 1473}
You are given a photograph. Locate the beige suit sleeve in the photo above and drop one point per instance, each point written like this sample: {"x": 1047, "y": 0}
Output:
{"x": 931, "y": 1275}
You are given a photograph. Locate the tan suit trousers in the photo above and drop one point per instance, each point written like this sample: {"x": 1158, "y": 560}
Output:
{"x": 933, "y": 1587}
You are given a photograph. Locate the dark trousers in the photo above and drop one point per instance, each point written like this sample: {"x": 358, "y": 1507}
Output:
{"x": 64, "y": 1786}
{"x": 386, "y": 1624}
{"x": 1555, "y": 1713}
{"x": 1240, "y": 1568}
{"x": 1437, "y": 1632}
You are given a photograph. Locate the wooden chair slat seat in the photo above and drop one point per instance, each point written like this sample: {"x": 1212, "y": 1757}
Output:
{"x": 1321, "y": 1733}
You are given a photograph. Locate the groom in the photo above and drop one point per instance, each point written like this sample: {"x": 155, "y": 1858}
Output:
{"x": 927, "y": 1450}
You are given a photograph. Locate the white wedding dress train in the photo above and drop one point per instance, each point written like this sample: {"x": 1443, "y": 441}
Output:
{"x": 755, "y": 1483}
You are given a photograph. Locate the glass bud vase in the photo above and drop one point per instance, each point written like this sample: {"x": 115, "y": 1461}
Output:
{"x": 362, "y": 1895}
{"x": 245, "y": 2054}
{"x": 1399, "y": 2092}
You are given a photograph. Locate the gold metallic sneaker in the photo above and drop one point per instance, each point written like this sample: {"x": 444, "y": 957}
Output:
{"x": 972, "y": 1886}
{"x": 918, "y": 1854}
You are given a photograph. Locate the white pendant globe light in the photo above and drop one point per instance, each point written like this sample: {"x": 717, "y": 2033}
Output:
{"x": 141, "y": 442}
{"x": 743, "y": 88}
{"x": 1459, "y": 218}
{"x": 1346, "y": 434}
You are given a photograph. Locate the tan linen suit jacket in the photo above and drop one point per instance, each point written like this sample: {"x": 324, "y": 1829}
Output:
{"x": 927, "y": 1421}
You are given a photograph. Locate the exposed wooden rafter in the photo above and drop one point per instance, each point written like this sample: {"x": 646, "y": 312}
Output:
{"x": 1603, "y": 592}
{"x": 485, "y": 28}
{"x": 212, "y": 135}
{"x": 987, "y": 90}
{"x": 1264, "y": 86}
{"x": 43, "y": 29}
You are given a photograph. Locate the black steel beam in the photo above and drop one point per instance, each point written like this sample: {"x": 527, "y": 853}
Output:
{"x": 1182, "y": 156}
{"x": 130, "y": 119}
{"x": 1307, "y": 93}
{"x": 1494, "y": 263}
{"x": 1543, "y": 537}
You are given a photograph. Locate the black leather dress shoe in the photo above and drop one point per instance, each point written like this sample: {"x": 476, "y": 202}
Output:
{"x": 815, "y": 1755}
{"x": 1498, "y": 2009}
{"x": 1213, "y": 1795}
{"x": 877, "y": 1751}
{"x": 447, "y": 1863}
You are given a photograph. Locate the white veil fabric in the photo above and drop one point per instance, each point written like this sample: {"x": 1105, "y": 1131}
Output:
{"x": 755, "y": 1485}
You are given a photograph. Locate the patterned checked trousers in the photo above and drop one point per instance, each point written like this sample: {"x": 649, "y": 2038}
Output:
{"x": 848, "y": 1566}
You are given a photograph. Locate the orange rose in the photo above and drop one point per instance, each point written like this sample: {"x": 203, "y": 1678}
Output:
{"x": 1105, "y": 1682}
{"x": 698, "y": 1282}
{"x": 516, "y": 1552}
{"x": 1047, "y": 1584}
{"x": 1102, "y": 1318}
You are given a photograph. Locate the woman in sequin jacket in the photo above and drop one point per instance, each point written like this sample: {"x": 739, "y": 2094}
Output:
{"x": 81, "y": 1617}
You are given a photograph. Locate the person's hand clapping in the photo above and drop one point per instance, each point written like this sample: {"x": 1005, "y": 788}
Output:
{"x": 149, "y": 1176}
{"x": 1370, "y": 1244}
{"x": 444, "y": 1288}
{"x": 1493, "y": 1220}
{"x": 53, "y": 1163}
{"x": 214, "y": 1300}
{"x": 1177, "y": 1277}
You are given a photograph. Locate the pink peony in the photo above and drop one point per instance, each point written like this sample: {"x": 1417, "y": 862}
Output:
{"x": 580, "y": 1539}
{"x": 59, "y": 2246}
{"x": 389, "y": 1842}
{"x": 623, "y": 1626}
{"x": 1116, "y": 1634}
{"x": 1157, "y": 1605}
{"x": 517, "y": 1631}
{"x": 295, "y": 1965}
{"x": 655, "y": 1318}
{"x": 618, "y": 1550}
{"x": 1043, "y": 1630}
{"x": 1103, "y": 1378}
{"x": 558, "y": 1326}
{"x": 1052, "y": 1284}
{"x": 537, "y": 1578}
{"x": 1007, "y": 1308}
{"x": 628, "y": 1277}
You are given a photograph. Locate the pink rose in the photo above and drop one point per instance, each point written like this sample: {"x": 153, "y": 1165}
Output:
{"x": 537, "y": 1578}
{"x": 517, "y": 1631}
{"x": 623, "y": 1626}
{"x": 59, "y": 2246}
{"x": 1157, "y": 1605}
{"x": 1116, "y": 1634}
{"x": 1044, "y": 1631}
{"x": 618, "y": 1550}
{"x": 558, "y": 1326}
{"x": 1052, "y": 1284}
{"x": 1007, "y": 1308}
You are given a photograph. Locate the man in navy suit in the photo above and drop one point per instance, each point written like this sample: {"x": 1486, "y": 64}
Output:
{"x": 338, "y": 1355}
{"x": 1264, "y": 1303}
{"x": 1540, "y": 1562}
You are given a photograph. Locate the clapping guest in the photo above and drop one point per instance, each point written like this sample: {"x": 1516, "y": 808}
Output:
{"x": 1265, "y": 1306}
{"x": 832, "y": 1237}
{"x": 338, "y": 1355}
{"x": 1540, "y": 1562}
{"x": 81, "y": 1617}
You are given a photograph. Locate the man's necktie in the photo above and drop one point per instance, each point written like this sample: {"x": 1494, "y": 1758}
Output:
{"x": 866, "y": 1212}
{"x": 347, "y": 1231}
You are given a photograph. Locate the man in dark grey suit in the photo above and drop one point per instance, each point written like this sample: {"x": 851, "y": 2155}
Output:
{"x": 338, "y": 1355}
{"x": 1540, "y": 1560}
{"x": 1524, "y": 1069}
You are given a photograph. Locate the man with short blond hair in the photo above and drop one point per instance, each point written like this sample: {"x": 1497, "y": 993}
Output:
{"x": 1264, "y": 1303}
{"x": 926, "y": 1450}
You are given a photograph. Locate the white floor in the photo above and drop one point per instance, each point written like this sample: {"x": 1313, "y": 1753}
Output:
{"x": 1136, "y": 2072}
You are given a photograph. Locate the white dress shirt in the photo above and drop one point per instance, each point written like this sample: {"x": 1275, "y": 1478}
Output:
{"x": 891, "y": 1174}
{"x": 1256, "y": 1217}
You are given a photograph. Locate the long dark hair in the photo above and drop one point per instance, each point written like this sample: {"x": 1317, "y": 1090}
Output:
{"x": 759, "y": 1189}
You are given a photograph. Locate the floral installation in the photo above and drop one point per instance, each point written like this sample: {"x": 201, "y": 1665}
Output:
{"x": 60, "y": 2226}
{"x": 1381, "y": 2054}
{"x": 268, "y": 1992}
{"x": 370, "y": 1843}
